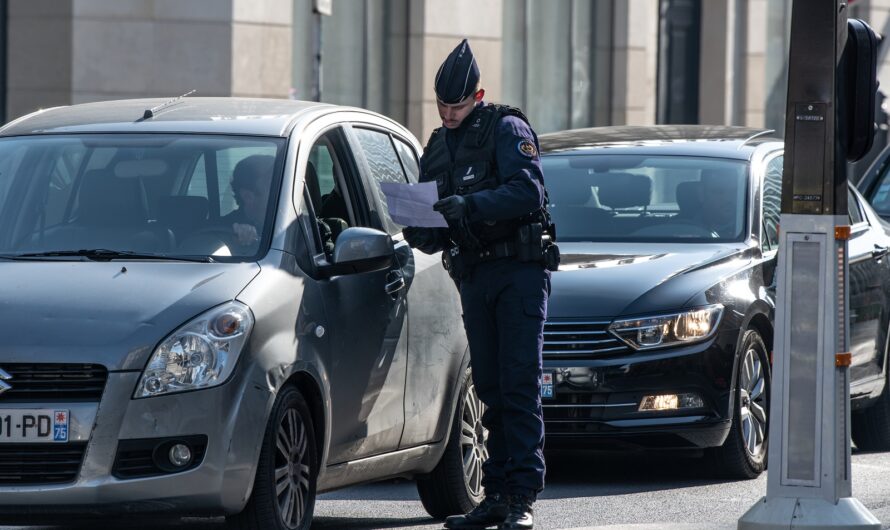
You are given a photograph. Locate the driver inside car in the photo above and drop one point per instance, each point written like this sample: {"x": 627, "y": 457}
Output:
{"x": 251, "y": 181}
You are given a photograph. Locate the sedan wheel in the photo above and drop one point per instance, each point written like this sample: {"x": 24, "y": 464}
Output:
{"x": 455, "y": 485}
{"x": 752, "y": 402}
{"x": 743, "y": 453}
{"x": 473, "y": 438}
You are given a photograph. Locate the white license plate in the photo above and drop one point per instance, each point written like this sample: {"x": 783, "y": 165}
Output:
{"x": 547, "y": 385}
{"x": 33, "y": 426}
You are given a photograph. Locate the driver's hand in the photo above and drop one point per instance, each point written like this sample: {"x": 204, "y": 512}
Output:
{"x": 245, "y": 234}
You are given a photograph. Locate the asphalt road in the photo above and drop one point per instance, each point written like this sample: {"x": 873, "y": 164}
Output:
{"x": 583, "y": 490}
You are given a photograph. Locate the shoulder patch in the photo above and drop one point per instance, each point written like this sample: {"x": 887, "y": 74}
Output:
{"x": 527, "y": 148}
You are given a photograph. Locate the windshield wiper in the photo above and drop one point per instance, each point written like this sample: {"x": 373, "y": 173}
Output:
{"x": 104, "y": 254}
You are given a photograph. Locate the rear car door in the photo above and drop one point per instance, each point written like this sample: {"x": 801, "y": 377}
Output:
{"x": 365, "y": 311}
{"x": 868, "y": 247}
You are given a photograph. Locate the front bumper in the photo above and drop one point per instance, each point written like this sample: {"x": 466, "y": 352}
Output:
{"x": 596, "y": 401}
{"x": 231, "y": 416}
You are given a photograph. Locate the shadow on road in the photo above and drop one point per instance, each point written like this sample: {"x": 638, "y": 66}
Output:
{"x": 325, "y": 523}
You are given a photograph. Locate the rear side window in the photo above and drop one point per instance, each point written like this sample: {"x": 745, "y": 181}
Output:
{"x": 384, "y": 166}
{"x": 772, "y": 203}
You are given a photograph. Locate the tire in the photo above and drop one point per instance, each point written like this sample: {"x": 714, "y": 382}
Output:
{"x": 288, "y": 451}
{"x": 453, "y": 487}
{"x": 871, "y": 427}
{"x": 743, "y": 453}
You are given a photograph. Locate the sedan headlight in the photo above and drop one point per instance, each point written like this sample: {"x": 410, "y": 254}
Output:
{"x": 668, "y": 330}
{"x": 200, "y": 354}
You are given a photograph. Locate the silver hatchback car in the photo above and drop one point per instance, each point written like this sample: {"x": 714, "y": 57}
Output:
{"x": 206, "y": 309}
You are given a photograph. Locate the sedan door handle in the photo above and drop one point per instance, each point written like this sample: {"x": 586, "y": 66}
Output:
{"x": 879, "y": 252}
{"x": 395, "y": 282}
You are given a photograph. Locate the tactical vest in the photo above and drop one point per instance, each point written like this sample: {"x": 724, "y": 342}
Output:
{"x": 473, "y": 169}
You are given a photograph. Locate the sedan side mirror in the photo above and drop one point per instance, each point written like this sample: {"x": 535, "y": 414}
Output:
{"x": 361, "y": 249}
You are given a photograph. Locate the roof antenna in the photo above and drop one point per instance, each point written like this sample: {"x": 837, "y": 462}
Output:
{"x": 150, "y": 113}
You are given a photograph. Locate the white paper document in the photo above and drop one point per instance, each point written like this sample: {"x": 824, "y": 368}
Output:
{"x": 412, "y": 204}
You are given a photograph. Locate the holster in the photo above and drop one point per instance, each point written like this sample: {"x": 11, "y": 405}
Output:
{"x": 533, "y": 243}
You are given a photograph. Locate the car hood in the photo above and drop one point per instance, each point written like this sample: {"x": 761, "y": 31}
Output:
{"x": 614, "y": 279}
{"x": 110, "y": 313}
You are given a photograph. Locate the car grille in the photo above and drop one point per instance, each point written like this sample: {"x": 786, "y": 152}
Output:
{"x": 567, "y": 339}
{"x": 36, "y": 464}
{"x": 54, "y": 382}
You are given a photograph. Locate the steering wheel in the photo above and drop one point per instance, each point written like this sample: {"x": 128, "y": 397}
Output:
{"x": 676, "y": 230}
{"x": 208, "y": 240}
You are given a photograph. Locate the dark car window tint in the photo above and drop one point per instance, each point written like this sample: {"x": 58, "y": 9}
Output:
{"x": 647, "y": 198}
{"x": 384, "y": 165}
{"x": 772, "y": 202}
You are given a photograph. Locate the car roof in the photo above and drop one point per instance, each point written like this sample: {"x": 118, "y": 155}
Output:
{"x": 249, "y": 116}
{"x": 687, "y": 140}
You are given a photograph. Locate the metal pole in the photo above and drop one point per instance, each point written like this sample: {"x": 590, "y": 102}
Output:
{"x": 809, "y": 482}
{"x": 316, "y": 63}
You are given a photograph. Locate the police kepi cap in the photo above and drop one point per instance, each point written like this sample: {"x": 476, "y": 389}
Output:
{"x": 458, "y": 76}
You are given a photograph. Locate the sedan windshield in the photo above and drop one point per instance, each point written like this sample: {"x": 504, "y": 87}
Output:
{"x": 137, "y": 196}
{"x": 646, "y": 198}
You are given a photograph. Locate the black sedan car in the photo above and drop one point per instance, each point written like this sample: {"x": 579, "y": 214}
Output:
{"x": 660, "y": 325}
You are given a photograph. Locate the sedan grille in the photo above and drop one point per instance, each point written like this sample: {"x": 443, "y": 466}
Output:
{"x": 36, "y": 464}
{"x": 566, "y": 339}
{"x": 57, "y": 383}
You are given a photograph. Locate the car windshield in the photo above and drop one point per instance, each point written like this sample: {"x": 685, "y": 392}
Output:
{"x": 144, "y": 195}
{"x": 639, "y": 198}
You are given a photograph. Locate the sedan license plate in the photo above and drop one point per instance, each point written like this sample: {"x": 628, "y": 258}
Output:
{"x": 33, "y": 426}
{"x": 547, "y": 385}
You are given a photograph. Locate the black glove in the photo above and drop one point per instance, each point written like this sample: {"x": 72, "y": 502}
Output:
{"x": 453, "y": 208}
{"x": 423, "y": 239}
{"x": 415, "y": 236}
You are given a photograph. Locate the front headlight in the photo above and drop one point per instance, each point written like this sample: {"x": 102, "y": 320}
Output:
{"x": 668, "y": 330}
{"x": 200, "y": 354}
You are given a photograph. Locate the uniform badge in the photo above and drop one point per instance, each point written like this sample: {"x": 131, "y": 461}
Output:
{"x": 527, "y": 148}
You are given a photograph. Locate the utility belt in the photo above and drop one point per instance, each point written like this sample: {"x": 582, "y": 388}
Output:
{"x": 530, "y": 244}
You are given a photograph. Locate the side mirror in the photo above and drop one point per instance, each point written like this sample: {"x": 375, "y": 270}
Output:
{"x": 860, "y": 87}
{"x": 361, "y": 249}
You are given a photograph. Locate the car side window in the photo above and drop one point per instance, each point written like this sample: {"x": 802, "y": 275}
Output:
{"x": 384, "y": 166}
{"x": 324, "y": 179}
{"x": 772, "y": 203}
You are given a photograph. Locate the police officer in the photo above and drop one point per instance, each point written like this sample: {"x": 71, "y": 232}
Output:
{"x": 498, "y": 248}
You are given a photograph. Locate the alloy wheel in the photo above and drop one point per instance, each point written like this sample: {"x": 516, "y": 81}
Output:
{"x": 292, "y": 469}
{"x": 473, "y": 438}
{"x": 753, "y": 403}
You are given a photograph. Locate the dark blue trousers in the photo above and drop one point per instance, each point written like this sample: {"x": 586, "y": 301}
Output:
{"x": 505, "y": 304}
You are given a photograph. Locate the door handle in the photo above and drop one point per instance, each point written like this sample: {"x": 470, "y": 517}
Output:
{"x": 395, "y": 282}
{"x": 879, "y": 252}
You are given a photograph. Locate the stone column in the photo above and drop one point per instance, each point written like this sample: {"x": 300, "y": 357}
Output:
{"x": 635, "y": 56}
{"x": 755, "y": 86}
{"x": 77, "y": 51}
{"x": 722, "y": 73}
{"x": 437, "y": 26}
{"x": 261, "y": 48}
{"x": 38, "y": 55}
